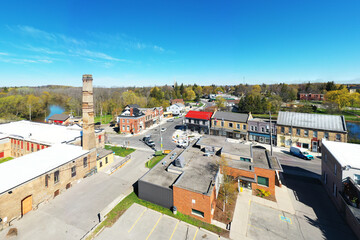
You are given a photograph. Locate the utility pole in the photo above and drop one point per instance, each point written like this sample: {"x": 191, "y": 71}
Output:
{"x": 271, "y": 148}
{"x": 161, "y": 143}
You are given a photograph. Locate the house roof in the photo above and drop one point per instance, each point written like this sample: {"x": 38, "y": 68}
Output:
{"x": 133, "y": 106}
{"x": 136, "y": 112}
{"x": 199, "y": 115}
{"x": 231, "y": 116}
{"x": 314, "y": 121}
{"x": 101, "y": 152}
{"x": 179, "y": 105}
{"x": 345, "y": 153}
{"x": 20, "y": 170}
{"x": 59, "y": 117}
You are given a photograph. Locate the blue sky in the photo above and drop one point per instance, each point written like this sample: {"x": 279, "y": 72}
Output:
{"x": 147, "y": 43}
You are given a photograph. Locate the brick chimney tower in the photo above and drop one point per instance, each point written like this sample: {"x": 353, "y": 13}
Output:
{"x": 88, "y": 138}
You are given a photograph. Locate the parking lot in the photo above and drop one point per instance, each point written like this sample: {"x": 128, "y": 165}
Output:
{"x": 139, "y": 222}
{"x": 315, "y": 215}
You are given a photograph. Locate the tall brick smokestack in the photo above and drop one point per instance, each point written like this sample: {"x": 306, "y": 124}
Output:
{"x": 88, "y": 139}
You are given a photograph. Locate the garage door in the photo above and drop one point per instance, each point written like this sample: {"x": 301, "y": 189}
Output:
{"x": 26, "y": 205}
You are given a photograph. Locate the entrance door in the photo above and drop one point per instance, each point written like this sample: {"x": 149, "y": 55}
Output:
{"x": 26, "y": 205}
{"x": 245, "y": 184}
{"x": 314, "y": 146}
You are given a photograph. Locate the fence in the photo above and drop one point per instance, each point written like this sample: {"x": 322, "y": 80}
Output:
{"x": 120, "y": 164}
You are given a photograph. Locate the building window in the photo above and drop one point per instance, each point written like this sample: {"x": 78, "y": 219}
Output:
{"x": 123, "y": 127}
{"x": 128, "y": 127}
{"x": 252, "y": 128}
{"x": 85, "y": 162}
{"x": 305, "y": 145}
{"x": 267, "y": 129}
{"x": 263, "y": 181}
{"x": 197, "y": 213}
{"x": 325, "y": 177}
{"x": 325, "y": 157}
{"x": 262, "y": 129}
{"x": 73, "y": 171}
{"x": 46, "y": 180}
{"x": 335, "y": 166}
{"x": 326, "y": 135}
{"x": 357, "y": 179}
{"x": 334, "y": 189}
{"x": 106, "y": 160}
{"x": 290, "y": 130}
{"x": 245, "y": 159}
{"x": 127, "y": 121}
{"x": 338, "y": 137}
{"x": 244, "y": 127}
{"x": 215, "y": 123}
{"x": 255, "y": 128}
{"x": 123, "y": 120}
{"x": 230, "y": 125}
{"x": 56, "y": 176}
{"x": 315, "y": 134}
{"x": 100, "y": 163}
{"x": 238, "y": 126}
{"x": 306, "y": 133}
{"x": 282, "y": 130}
{"x": 222, "y": 123}
{"x": 298, "y": 131}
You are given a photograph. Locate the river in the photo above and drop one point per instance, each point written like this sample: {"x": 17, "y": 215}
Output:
{"x": 353, "y": 129}
{"x": 54, "y": 109}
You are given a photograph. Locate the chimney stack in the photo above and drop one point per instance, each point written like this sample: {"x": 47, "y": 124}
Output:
{"x": 88, "y": 138}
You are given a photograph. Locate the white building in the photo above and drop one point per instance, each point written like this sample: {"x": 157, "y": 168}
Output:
{"x": 176, "y": 109}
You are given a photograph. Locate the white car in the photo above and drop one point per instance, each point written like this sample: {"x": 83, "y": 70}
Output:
{"x": 163, "y": 129}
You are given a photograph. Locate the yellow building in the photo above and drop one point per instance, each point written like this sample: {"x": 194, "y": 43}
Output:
{"x": 230, "y": 124}
{"x": 5, "y": 147}
{"x": 104, "y": 158}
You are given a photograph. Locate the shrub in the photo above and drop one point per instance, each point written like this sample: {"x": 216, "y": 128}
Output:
{"x": 263, "y": 193}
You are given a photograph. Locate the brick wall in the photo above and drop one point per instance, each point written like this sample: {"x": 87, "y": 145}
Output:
{"x": 183, "y": 201}
{"x": 5, "y": 148}
{"x": 10, "y": 204}
{"x": 134, "y": 124}
{"x": 270, "y": 174}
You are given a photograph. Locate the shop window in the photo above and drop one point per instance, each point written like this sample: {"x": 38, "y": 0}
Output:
{"x": 263, "y": 181}
{"x": 305, "y": 145}
{"x": 197, "y": 213}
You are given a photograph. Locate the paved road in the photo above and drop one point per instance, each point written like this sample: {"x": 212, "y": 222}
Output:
{"x": 74, "y": 212}
{"x": 155, "y": 136}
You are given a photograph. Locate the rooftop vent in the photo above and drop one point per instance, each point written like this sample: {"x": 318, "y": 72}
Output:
{"x": 179, "y": 162}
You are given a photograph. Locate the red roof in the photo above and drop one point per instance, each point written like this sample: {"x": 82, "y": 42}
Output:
{"x": 199, "y": 115}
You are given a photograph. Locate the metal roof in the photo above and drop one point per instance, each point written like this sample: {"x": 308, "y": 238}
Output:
{"x": 231, "y": 116}
{"x": 59, "y": 117}
{"x": 314, "y": 121}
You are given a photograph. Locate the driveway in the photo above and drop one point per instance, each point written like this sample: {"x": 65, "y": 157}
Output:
{"x": 139, "y": 222}
{"x": 75, "y": 212}
{"x": 315, "y": 215}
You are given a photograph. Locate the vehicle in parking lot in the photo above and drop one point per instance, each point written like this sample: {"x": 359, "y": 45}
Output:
{"x": 170, "y": 120}
{"x": 301, "y": 153}
{"x": 163, "y": 129}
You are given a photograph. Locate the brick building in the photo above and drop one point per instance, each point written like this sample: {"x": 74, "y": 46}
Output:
{"x": 311, "y": 96}
{"x": 63, "y": 119}
{"x": 190, "y": 179}
{"x": 48, "y": 159}
{"x": 178, "y": 100}
{"x": 306, "y": 130}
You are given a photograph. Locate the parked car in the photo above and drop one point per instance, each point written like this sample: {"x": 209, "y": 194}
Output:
{"x": 147, "y": 140}
{"x": 112, "y": 124}
{"x": 170, "y": 120}
{"x": 163, "y": 129}
{"x": 301, "y": 153}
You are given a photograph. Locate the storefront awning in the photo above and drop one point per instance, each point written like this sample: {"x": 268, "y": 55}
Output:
{"x": 247, "y": 179}
{"x": 262, "y": 135}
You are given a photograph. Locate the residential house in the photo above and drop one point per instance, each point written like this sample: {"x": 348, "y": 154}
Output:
{"x": 179, "y": 100}
{"x": 340, "y": 168}
{"x": 311, "y": 96}
{"x": 131, "y": 119}
{"x": 176, "y": 109}
{"x": 198, "y": 121}
{"x": 353, "y": 88}
{"x": 63, "y": 119}
{"x": 306, "y": 130}
{"x": 230, "y": 124}
{"x": 259, "y": 130}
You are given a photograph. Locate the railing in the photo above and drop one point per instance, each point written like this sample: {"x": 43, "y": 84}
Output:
{"x": 120, "y": 164}
{"x": 91, "y": 172}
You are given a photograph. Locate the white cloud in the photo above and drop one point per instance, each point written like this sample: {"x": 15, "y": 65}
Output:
{"x": 4, "y": 54}
{"x": 97, "y": 55}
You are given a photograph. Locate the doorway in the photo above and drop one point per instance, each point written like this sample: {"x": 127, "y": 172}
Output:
{"x": 314, "y": 146}
{"x": 26, "y": 205}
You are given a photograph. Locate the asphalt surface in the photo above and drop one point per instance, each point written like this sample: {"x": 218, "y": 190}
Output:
{"x": 135, "y": 141}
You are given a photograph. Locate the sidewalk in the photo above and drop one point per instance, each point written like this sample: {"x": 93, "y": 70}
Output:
{"x": 241, "y": 216}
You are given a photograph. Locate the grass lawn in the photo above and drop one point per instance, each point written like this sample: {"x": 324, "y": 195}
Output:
{"x": 119, "y": 210}
{"x": 152, "y": 162}
{"x": 265, "y": 115}
{"x": 120, "y": 151}
{"x": 6, "y": 159}
{"x": 105, "y": 119}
